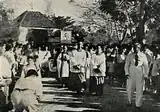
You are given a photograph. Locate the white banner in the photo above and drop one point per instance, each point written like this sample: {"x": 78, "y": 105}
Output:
{"x": 23, "y": 34}
{"x": 66, "y": 36}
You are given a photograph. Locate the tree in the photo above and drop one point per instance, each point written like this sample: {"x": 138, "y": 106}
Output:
{"x": 94, "y": 17}
{"x": 135, "y": 13}
{"x": 98, "y": 37}
{"x": 78, "y": 32}
{"x": 62, "y": 22}
{"x": 67, "y": 23}
{"x": 7, "y": 29}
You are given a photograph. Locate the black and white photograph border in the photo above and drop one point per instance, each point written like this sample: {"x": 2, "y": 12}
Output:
{"x": 79, "y": 56}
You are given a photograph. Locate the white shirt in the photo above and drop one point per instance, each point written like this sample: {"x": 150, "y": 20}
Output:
{"x": 99, "y": 60}
{"x": 46, "y": 56}
{"x": 10, "y": 56}
{"x": 78, "y": 58}
{"x": 142, "y": 62}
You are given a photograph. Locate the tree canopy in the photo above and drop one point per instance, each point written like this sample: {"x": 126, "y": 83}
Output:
{"x": 134, "y": 13}
{"x": 62, "y": 22}
{"x": 7, "y": 29}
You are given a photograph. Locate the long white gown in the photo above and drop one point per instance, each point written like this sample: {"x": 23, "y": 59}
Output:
{"x": 64, "y": 71}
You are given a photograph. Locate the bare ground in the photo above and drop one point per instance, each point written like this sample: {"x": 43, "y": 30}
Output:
{"x": 58, "y": 99}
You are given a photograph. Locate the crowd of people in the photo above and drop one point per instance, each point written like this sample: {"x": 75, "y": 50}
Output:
{"x": 83, "y": 68}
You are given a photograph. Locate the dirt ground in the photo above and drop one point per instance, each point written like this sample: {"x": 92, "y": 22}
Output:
{"x": 57, "y": 99}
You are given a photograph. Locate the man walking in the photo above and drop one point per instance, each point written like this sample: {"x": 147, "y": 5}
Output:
{"x": 136, "y": 70}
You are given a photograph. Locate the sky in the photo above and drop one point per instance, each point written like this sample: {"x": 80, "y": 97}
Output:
{"x": 58, "y": 7}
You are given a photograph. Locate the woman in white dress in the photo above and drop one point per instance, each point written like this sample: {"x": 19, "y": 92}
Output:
{"x": 63, "y": 66}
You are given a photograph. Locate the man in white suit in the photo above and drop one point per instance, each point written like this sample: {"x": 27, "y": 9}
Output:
{"x": 136, "y": 70}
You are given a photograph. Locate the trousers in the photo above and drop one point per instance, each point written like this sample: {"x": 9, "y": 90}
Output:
{"x": 135, "y": 82}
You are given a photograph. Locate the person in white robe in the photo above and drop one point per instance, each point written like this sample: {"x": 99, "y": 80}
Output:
{"x": 78, "y": 61}
{"x": 98, "y": 66}
{"x": 63, "y": 66}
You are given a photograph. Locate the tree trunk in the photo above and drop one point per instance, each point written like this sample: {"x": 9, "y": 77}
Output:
{"x": 140, "y": 28}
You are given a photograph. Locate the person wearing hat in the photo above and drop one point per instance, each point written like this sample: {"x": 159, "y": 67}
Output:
{"x": 136, "y": 70}
{"x": 27, "y": 92}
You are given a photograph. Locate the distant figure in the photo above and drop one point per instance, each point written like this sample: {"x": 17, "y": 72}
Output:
{"x": 10, "y": 55}
{"x": 23, "y": 61}
{"x": 120, "y": 67}
{"x": 47, "y": 54}
{"x": 155, "y": 73}
{"x": 87, "y": 66}
{"x": 41, "y": 55}
{"x": 52, "y": 64}
{"x": 111, "y": 64}
{"x": 30, "y": 64}
{"x": 150, "y": 59}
